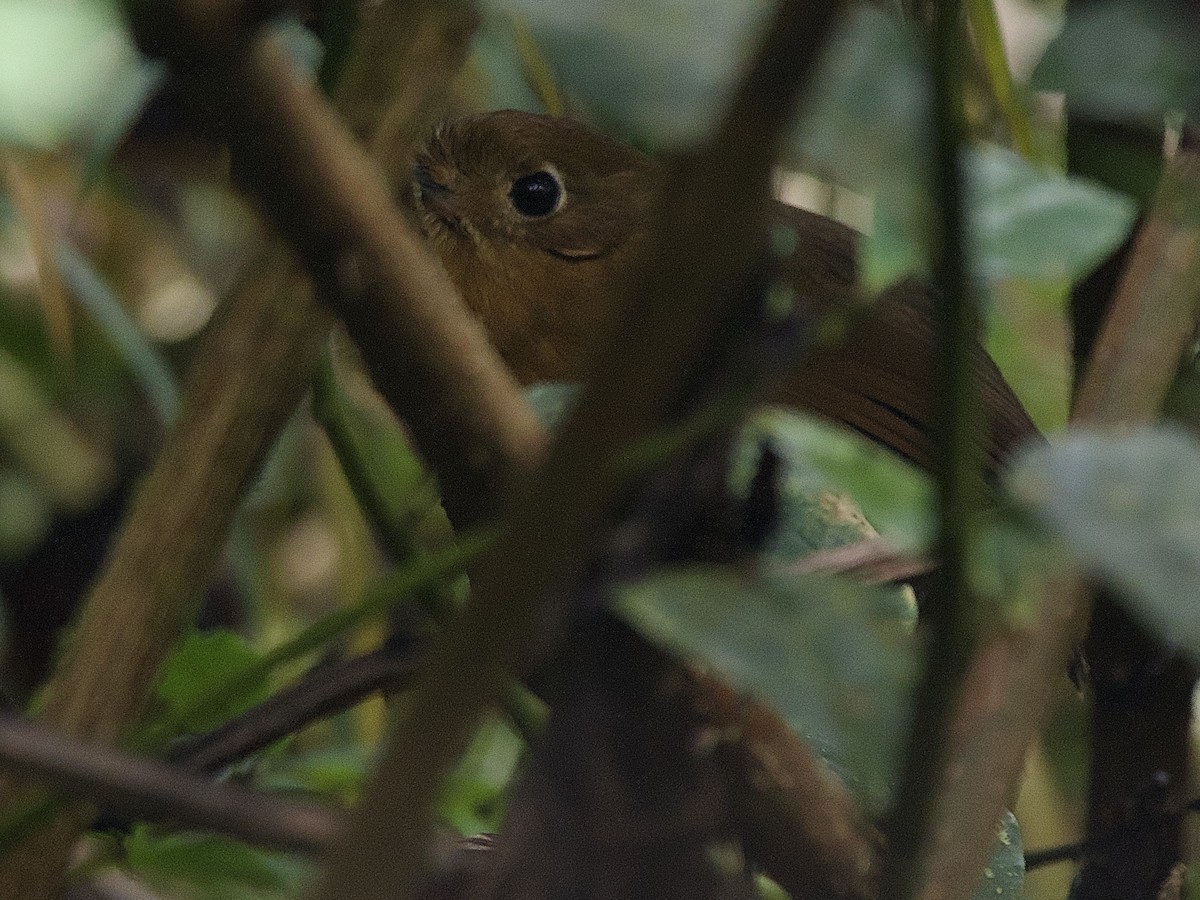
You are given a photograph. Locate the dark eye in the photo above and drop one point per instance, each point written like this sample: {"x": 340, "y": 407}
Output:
{"x": 538, "y": 194}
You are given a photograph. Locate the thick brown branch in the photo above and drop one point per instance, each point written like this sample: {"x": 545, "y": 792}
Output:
{"x": 1153, "y": 315}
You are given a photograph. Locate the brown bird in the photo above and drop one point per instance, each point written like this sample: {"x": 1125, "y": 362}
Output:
{"x": 538, "y": 220}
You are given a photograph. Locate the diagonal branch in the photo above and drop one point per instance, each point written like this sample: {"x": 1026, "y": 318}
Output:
{"x": 153, "y": 791}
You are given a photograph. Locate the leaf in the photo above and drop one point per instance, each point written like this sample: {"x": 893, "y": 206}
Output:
{"x": 1123, "y": 60}
{"x": 823, "y": 465}
{"x": 1030, "y": 223}
{"x": 61, "y": 65}
{"x": 44, "y": 445}
{"x": 474, "y": 796}
{"x": 872, "y": 94}
{"x": 143, "y": 359}
{"x": 214, "y": 867}
{"x": 1127, "y": 506}
{"x": 25, "y": 516}
{"x": 1004, "y": 875}
{"x": 202, "y": 681}
{"x": 655, "y": 70}
{"x": 832, "y": 657}
{"x": 375, "y": 454}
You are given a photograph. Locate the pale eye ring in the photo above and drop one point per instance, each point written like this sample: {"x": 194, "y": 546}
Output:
{"x": 537, "y": 194}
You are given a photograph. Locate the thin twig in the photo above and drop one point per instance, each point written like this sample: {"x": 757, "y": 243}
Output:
{"x": 325, "y": 690}
{"x": 872, "y": 560}
{"x": 147, "y": 790}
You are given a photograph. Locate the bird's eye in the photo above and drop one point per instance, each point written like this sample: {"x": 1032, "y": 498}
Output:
{"x": 537, "y": 195}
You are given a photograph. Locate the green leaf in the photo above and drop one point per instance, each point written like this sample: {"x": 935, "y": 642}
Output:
{"x": 376, "y": 456}
{"x": 1004, "y": 875}
{"x": 1123, "y": 60}
{"x": 203, "y": 681}
{"x": 473, "y": 798}
{"x": 337, "y": 772}
{"x": 832, "y": 657}
{"x": 143, "y": 359}
{"x": 823, "y": 466}
{"x": 61, "y": 67}
{"x": 44, "y": 445}
{"x": 1127, "y": 506}
{"x": 872, "y": 93}
{"x": 1034, "y": 224}
{"x": 25, "y": 515}
{"x": 656, "y": 70}
{"x": 215, "y": 868}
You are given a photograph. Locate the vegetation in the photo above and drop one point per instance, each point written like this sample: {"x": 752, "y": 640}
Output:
{"x": 264, "y": 640}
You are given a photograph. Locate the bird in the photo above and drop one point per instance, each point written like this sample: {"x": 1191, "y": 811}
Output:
{"x": 539, "y": 221}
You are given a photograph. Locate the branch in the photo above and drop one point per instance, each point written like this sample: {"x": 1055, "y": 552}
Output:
{"x": 147, "y": 790}
{"x": 1142, "y": 709}
{"x": 324, "y": 691}
{"x": 1152, "y": 317}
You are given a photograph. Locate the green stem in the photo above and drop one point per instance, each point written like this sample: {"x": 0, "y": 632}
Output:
{"x": 990, "y": 40}
{"x": 948, "y": 621}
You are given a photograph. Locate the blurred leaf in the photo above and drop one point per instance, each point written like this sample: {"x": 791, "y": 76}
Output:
{"x": 473, "y": 798}
{"x": 203, "y": 681}
{"x": 823, "y": 465}
{"x": 494, "y": 54}
{"x": 1128, "y": 507}
{"x": 1124, "y": 59}
{"x": 143, "y": 359}
{"x": 215, "y": 868}
{"x": 130, "y": 91}
{"x": 25, "y": 515}
{"x": 1030, "y": 223}
{"x": 375, "y": 455}
{"x": 337, "y": 772}
{"x": 655, "y": 70}
{"x": 989, "y": 38}
{"x": 1004, "y": 875}
{"x": 832, "y": 657}
{"x": 45, "y": 445}
{"x": 872, "y": 94}
{"x": 59, "y": 66}
{"x": 1010, "y": 562}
